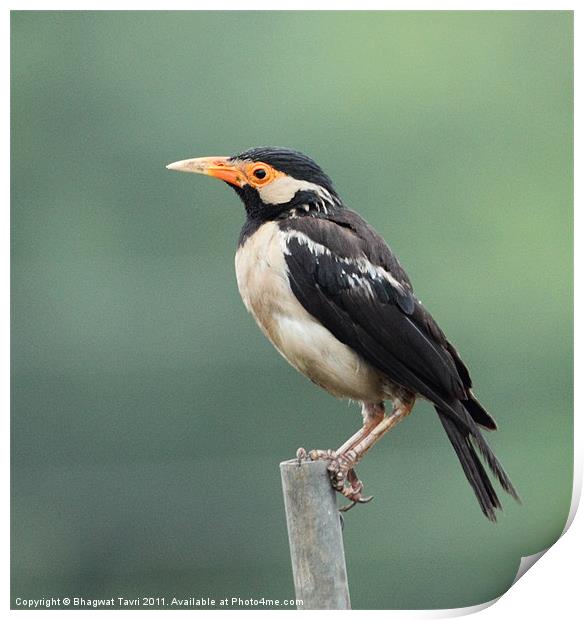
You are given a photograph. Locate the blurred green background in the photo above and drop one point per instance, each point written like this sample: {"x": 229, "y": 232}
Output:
{"x": 149, "y": 414}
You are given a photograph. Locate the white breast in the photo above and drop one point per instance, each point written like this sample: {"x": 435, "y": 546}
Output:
{"x": 262, "y": 279}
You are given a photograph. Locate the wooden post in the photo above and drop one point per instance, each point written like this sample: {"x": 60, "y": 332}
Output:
{"x": 315, "y": 535}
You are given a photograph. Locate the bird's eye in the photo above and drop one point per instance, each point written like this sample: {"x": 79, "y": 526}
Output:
{"x": 260, "y": 174}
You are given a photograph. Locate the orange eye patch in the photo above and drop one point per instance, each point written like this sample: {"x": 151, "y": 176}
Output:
{"x": 260, "y": 174}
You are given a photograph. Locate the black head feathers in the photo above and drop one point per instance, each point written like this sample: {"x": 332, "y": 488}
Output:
{"x": 290, "y": 162}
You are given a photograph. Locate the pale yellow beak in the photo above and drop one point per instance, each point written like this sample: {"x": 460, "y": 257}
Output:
{"x": 218, "y": 167}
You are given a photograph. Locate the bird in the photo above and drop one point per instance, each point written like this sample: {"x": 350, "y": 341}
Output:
{"x": 336, "y": 303}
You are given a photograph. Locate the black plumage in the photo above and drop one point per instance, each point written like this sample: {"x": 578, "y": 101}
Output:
{"x": 391, "y": 329}
{"x": 334, "y": 269}
{"x": 292, "y": 162}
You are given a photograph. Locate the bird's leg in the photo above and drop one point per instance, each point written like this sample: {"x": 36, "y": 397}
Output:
{"x": 376, "y": 424}
{"x": 372, "y": 415}
{"x": 342, "y": 468}
{"x": 401, "y": 409}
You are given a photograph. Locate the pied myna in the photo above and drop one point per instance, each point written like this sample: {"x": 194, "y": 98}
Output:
{"x": 334, "y": 300}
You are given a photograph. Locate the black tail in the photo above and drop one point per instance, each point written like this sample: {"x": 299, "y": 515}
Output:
{"x": 465, "y": 444}
{"x": 478, "y": 413}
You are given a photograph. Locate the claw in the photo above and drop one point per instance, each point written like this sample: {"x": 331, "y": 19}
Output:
{"x": 347, "y": 507}
{"x": 342, "y": 474}
{"x": 322, "y": 455}
{"x": 354, "y": 502}
{"x": 301, "y": 455}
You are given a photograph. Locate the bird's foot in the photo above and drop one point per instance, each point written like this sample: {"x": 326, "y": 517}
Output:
{"x": 314, "y": 455}
{"x": 322, "y": 455}
{"x": 301, "y": 455}
{"x": 343, "y": 476}
{"x": 345, "y": 480}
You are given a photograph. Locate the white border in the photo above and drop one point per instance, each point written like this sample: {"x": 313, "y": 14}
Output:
{"x": 292, "y": 5}
{"x": 554, "y": 586}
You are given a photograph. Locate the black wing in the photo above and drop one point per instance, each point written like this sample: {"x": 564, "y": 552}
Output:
{"x": 344, "y": 275}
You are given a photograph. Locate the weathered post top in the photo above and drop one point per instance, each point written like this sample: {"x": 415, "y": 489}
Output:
{"x": 315, "y": 535}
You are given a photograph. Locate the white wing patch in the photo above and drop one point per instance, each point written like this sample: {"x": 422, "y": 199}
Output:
{"x": 308, "y": 345}
{"x": 361, "y": 263}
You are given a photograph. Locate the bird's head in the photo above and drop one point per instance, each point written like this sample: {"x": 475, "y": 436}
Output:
{"x": 270, "y": 181}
